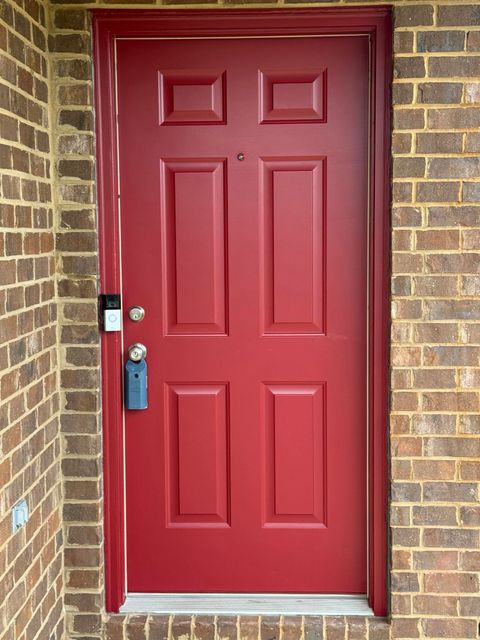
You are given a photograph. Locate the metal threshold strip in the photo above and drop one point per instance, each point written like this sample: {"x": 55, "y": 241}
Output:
{"x": 246, "y": 603}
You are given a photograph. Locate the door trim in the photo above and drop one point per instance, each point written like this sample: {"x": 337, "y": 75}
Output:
{"x": 373, "y": 22}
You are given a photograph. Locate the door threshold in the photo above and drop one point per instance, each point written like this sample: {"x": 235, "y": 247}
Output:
{"x": 247, "y": 603}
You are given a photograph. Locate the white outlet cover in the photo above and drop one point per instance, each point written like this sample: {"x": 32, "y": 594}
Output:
{"x": 19, "y": 515}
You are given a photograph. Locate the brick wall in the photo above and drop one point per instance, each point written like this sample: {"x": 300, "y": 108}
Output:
{"x": 435, "y": 419}
{"x": 31, "y": 580}
{"x": 435, "y": 333}
{"x": 435, "y": 424}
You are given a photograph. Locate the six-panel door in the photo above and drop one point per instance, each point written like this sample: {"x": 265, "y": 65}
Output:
{"x": 243, "y": 190}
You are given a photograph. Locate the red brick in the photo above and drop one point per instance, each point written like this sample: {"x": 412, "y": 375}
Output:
{"x": 313, "y": 628}
{"x": 413, "y": 15}
{"x": 469, "y": 606}
{"x": 335, "y": 628}
{"x": 435, "y": 560}
{"x": 435, "y": 605}
{"x": 458, "y": 15}
{"x": 454, "y": 447}
{"x": 451, "y": 356}
{"x": 469, "y": 560}
{"x": 451, "y": 582}
{"x": 453, "y": 118}
{"x": 158, "y": 627}
{"x": 181, "y": 627}
{"x": 450, "y": 492}
{"x": 449, "y": 627}
{"x": 405, "y": 628}
{"x": 450, "y": 538}
{"x": 440, "y": 92}
{"x": 291, "y": 628}
{"x": 470, "y": 470}
{"x": 438, "y": 142}
{"x": 435, "y": 41}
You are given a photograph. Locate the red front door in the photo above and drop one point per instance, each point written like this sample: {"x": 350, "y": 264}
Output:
{"x": 243, "y": 190}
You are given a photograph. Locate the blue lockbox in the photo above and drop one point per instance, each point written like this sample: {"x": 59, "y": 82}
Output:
{"x": 136, "y": 385}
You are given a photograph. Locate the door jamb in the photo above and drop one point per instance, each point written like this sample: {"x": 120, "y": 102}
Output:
{"x": 374, "y": 22}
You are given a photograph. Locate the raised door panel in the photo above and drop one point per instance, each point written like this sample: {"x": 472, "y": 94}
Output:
{"x": 197, "y": 455}
{"x": 293, "y": 245}
{"x": 193, "y": 213}
{"x": 293, "y": 96}
{"x": 192, "y": 96}
{"x": 295, "y": 465}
